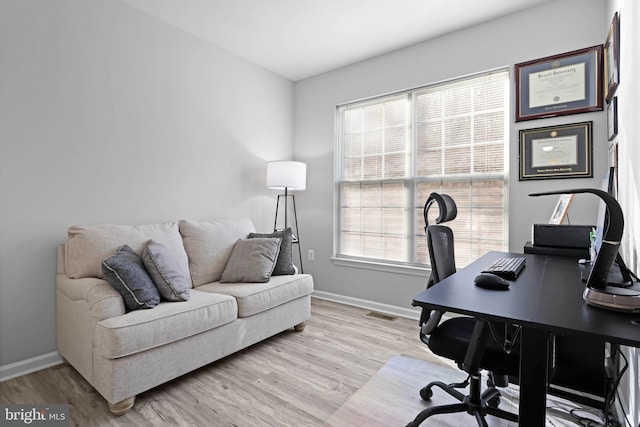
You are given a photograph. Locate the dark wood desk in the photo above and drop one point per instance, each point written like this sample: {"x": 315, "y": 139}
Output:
{"x": 546, "y": 298}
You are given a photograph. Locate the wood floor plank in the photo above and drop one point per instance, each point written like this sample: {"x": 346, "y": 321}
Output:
{"x": 293, "y": 378}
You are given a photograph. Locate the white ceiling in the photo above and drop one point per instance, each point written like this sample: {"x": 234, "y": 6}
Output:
{"x": 302, "y": 38}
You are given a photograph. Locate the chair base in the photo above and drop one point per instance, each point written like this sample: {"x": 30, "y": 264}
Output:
{"x": 476, "y": 404}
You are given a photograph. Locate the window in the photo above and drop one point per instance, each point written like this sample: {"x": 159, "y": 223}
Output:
{"x": 394, "y": 150}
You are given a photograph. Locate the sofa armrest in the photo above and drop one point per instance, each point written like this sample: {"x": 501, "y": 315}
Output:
{"x": 102, "y": 299}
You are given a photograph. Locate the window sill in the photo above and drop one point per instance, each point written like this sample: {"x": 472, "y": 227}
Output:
{"x": 379, "y": 266}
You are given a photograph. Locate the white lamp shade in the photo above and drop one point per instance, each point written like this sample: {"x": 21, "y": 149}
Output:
{"x": 287, "y": 174}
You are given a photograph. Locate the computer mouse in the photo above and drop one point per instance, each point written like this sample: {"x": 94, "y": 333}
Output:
{"x": 491, "y": 281}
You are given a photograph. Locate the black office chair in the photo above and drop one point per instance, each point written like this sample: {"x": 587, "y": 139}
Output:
{"x": 474, "y": 344}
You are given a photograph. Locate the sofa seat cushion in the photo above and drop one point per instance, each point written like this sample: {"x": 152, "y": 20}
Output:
{"x": 253, "y": 298}
{"x": 141, "y": 330}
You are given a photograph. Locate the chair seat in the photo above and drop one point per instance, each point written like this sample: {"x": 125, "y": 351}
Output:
{"x": 451, "y": 340}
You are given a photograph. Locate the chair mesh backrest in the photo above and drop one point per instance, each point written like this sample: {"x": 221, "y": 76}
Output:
{"x": 441, "y": 253}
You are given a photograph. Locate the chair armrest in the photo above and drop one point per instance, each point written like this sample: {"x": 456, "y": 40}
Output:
{"x": 103, "y": 300}
{"x": 431, "y": 322}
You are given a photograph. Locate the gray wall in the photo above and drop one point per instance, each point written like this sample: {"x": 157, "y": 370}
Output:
{"x": 520, "y": 37}
{"x": 109, "y": 115}
{"x": 552, "y": 28}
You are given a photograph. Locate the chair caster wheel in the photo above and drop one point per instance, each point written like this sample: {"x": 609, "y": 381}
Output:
{"x": 494, "y": 402}
{"x": 426, "y": 393}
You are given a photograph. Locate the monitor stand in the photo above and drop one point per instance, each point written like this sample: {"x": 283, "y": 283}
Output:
{"x": 615, "y": 296}
{"x": 620, "y": 275}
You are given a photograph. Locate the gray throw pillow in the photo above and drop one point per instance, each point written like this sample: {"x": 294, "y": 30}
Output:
{"x": 125, "y": 271}
{"x": 251, "y": 261}
{"x": 166, "y": 272}
{"x": 284, "y": 264}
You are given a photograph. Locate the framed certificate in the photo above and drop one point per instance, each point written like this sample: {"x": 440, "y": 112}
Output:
{"x": 563, "y": 151}
{"x": 612, "y": 58}
{"x": 568, "y": 83}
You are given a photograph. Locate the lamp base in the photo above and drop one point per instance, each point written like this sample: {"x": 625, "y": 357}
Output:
{"x": 294, "y": 228}
{"x": 613, "y": 298}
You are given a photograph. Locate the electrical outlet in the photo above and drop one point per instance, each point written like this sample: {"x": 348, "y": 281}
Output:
{"x": 311, "y": 255}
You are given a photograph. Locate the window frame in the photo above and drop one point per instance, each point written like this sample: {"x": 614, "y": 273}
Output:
{"x": 412, "y": 181}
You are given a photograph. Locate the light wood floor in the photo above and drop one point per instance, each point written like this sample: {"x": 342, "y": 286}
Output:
{"x": 290, "y": 379}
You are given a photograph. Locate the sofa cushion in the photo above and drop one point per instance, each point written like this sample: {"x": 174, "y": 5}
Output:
{"x": 251, "y": 261}
{"x": 168, "y": 322}
{"x": 253, "y": 298}
{"x": 209, "y": 244}
{"x": 88, "y": 245}
{"x": 284, "y": 264}
{"x": 170, "y": 278}
{"x": 124, "y": 270}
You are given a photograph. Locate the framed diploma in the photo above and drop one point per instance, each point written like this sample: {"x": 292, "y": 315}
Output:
{"x": 568, "y": 83}
{"x": 563, "y": 151}
{"x": 612, "y": 59}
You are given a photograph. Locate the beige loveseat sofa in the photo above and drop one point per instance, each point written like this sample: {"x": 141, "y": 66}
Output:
{"x": 122, "y": 353}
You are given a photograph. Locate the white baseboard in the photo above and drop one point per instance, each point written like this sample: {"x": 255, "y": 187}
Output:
{"x": 29, "y": 366}
{"x": 393, "y": 310}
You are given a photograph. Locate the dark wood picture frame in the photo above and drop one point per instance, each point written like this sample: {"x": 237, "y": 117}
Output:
{"x": 612, "y": 58}
{"x": 552, "y": 152}
{"x": 568, "y": 83}
{"x": 612, "y": 118}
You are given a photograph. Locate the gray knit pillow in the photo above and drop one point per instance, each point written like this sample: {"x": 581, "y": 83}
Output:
{"x": 284, "y": 264}
{"x": 125, "y": 271}
{"x": 169, "y": 276}
{"x": 251, "y": 261}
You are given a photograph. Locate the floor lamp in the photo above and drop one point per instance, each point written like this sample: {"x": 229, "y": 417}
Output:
{"x": 287, "y": 176}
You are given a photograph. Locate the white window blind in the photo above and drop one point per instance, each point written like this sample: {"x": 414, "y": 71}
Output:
{"x": 393, "y": 151}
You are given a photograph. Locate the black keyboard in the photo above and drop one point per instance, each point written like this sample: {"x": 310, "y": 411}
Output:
{"x": 507, "y": 268}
